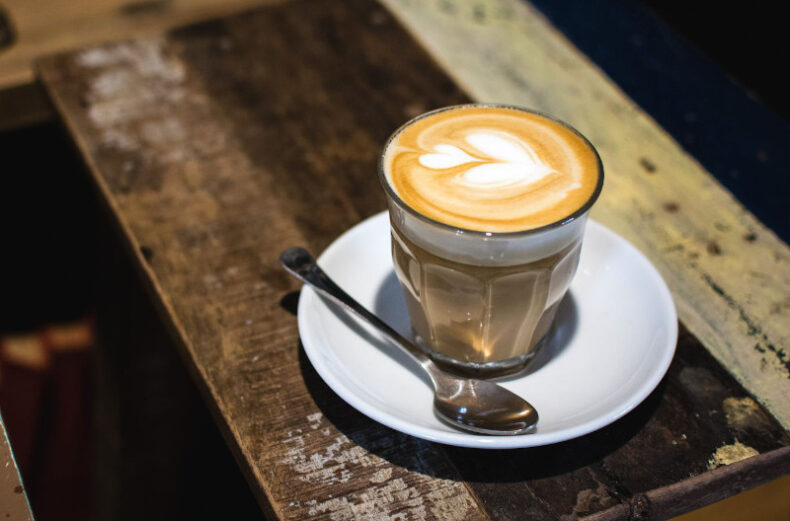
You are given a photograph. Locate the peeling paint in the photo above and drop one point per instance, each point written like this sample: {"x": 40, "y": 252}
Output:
{"x": 373, "y": 504}
{"x": 740, "y": 412}
{"x": 134, "y": 82}
{"x": 381, "y": 476}
{"x": 590, "y": 500}
{"x": 729, "y": 454}
{"x": 327, "y": 466}
{"x": 320, "y": 457}
{"x": 314, "y": 420}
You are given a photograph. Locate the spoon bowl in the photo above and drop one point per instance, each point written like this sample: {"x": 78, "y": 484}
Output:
{"x": 483, "y": 407}
{"x": 473, "y": 405}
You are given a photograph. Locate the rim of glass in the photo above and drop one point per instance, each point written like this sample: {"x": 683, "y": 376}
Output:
{"x": 556, "y": 224}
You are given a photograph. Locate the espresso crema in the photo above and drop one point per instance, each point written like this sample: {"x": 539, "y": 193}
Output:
{"x": 492, "y": 169}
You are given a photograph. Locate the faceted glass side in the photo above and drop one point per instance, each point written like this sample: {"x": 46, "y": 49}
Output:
{"x": 481, "y": 314}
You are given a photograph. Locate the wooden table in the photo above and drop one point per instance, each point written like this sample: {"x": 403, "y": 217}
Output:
{"x": 216, "y": 146}
{"x": 33, "y": 28}
{"x": 14, "y": 505}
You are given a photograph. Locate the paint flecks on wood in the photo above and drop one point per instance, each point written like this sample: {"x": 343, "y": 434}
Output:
{"x": 744, "y": 415}
{"x": 328, "y": 462}
{"x": 729, "y": 454}
{"x": 130, "y": 76}
{"x": 590, "y": 500}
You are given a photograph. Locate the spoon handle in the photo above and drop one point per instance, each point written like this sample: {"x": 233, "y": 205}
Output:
{"x": 301, "y": 264}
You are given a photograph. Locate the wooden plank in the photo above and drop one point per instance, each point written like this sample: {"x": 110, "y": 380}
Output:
{"x": 13, "y": 499}
{"x": 668, "y": 502}
{"x": 217, "y": 146}
{"x": 674, "y": 435}
{"x": 729, "y": 275}
{"x": 210, "y": 159}
{"x": 43, "y": 27}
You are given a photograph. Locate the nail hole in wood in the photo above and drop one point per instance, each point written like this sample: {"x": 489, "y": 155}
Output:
{"x": 147, "y": 252}
{"x": 648, "y": 165}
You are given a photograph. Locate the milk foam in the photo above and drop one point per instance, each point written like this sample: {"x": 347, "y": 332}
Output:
{"x": 504, "y": 161}
{"x": 491, "y": 169}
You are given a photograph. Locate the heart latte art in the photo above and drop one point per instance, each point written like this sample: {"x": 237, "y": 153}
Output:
{"x": 491, "y": 168}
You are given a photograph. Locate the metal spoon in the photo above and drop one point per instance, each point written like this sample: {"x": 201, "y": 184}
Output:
{"x": 469, "y": 404}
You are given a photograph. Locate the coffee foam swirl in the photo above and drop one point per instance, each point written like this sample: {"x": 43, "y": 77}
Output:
{"x": 502, "y": 161}
{"x": 491, "y": 168}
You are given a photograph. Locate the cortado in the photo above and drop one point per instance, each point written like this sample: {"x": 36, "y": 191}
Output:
{"x": 491, "y": 169}
{"x": 488, "y": 205}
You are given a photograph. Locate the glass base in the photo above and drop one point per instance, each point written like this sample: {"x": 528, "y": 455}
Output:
{"x": 482, "y": 370}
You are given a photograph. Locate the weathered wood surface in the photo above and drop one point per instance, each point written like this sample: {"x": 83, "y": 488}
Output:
{"x": 217, "y": 146}
{"x": 718, "y": 484}
{"x": 42, "y": 27}
{"x": 729, "y": 274}
{"x": 37, "y": 28}
{"x": 13, "y": 500}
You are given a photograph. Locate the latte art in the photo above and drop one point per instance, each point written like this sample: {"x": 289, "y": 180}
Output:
{"x": 491, "y": 168}
{"x": 500, "y": 161}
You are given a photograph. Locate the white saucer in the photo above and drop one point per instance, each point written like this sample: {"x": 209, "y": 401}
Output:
{"x": 615, "y": 339}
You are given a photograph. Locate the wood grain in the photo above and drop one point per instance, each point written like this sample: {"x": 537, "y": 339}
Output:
{"x": 13, "y": 499}
{"x": 217, "y": 146}
{"x": 43, "y": 27}
{"x": 729, "y": 274}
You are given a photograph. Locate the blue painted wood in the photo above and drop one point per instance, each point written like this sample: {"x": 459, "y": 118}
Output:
{"x": 741, "y": 141}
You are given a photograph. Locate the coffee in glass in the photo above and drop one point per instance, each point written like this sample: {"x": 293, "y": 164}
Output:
{"x": 487, "y": 210}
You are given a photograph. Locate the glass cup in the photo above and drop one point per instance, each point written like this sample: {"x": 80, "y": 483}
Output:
{"x": 482, "y": 303}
